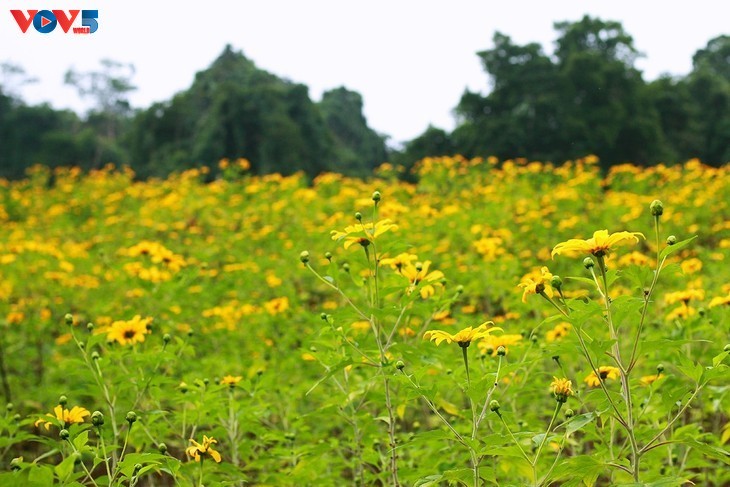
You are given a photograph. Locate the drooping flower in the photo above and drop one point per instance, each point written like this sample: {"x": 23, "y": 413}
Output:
{"x": 604, "y": 372}
{"x": 126, "y": 332}
{"x": 420, "y": 278}
{"x": 537, "y": 282}
{"x": 363, "y": 234}
{"x": 75, "y": 415}
{"x": 599, "y": 245}
{"x": 197, "y": 449}
{"x": 464, "y": 337}
{"x": 561, "y": 389}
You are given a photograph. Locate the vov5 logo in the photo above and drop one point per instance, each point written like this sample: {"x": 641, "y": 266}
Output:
{"x": 46, "y": 21}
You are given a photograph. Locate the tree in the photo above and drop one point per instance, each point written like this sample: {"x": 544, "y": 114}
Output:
{"x": 358, "y": 148}
{"x": 433, "y": 142}
{"x": 12, "y": 78}
{"x": 587, "y": 99}
{"x": 109, "y": 89}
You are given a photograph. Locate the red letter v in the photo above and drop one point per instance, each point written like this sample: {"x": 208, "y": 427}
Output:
{"x": 23, "y": 23}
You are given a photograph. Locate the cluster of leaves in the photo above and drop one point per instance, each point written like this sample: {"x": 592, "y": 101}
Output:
{"x": 233, "y": 109}
{"x": 300, "y": 387}
{"x": 587, "y": 97}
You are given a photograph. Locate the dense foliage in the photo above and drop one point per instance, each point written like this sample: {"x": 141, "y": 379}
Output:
{"x": 586, "y": 97}
{"x": 276, "y": 330}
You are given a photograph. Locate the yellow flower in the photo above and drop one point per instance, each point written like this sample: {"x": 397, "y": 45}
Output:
{"x": 399, "y": 261}
{"x": 277, "y": 305}
{"x": 599, "y": 245}
{"x": 537, "y": 282}
{"x": 491, "y": 343}
{"x": 684, "y": 296}
{"x": 719, "y": 301}
{"x": 363, "y": 234}
{"x": 650, "y": 379}
{"x": 561, "y": 388}
{"x": 463, "y": 337}
{"x": 604, "y": 372}
{"x": 560, "y": 330}
{"x": 690, "y": 266}
{"x": 230, "y": 380}
{"x": 195, "y": 450}
{"x": 75, "y": 415}
{"x": 418, "y": 275}
{"x": 126, "y": 332}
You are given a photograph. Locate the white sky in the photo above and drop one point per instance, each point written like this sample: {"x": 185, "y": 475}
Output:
{"x": 410, "y": 59}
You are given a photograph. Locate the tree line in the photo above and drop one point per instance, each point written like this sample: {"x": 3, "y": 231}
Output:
{"x": 587, "y": 97}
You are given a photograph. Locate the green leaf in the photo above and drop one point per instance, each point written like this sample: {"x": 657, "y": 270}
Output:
{"x": 41, "y": 475}
{"x": 690, "y": 369}
{"x": 65, "y": 468}
{"x": 577, "y": 422}
{"x": 670, "y": 249}
{"x": 429, "y": 481}
{"x": 333, "y": 370}
{"x": 717, "y": 359}
{"x": 81, "y": 440}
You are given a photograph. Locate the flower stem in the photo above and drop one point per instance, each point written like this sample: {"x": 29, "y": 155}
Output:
{"x": 544, "y": 439}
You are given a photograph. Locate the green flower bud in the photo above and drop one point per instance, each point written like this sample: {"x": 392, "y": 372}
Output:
{"x": 304, "y": 256}
{"x": 671, "y": 240}
{"x": 69, "y": 319}
{"x": 501, "y": 351}
{"x": 494, "y": 405}
{"x": 358, "y": 216}
{"x": 588, "y": 263}
{"x": 166, "y": 338}
{"x": 656, "y": 207}
{"x": 660, "y": 368}
{"x": 569, "y": 413}
{"x": 400, "y": 365}
{"x": 206, "y": 381}
{"x": 556, "y": 282}
{"x": 162, "y": 448}
{"x": 17, "y": 417}
{"x": 376, "y": 197}
{"x": 97, "y": 418}
{"x": 64, "y": 434}
{"x": 346, "y": 267}
{"x": 131, "y": 417}
{"x": 62, "y": 400}
{"x": 94, "y": 355}
{"x": 90, "y": 326}
{"x": 328, "y": 256}
{"x": 15, "y": 463}
{"x": 459, "y": 289}
{"x": 323, "y": 316}
{"x": 9, "y": 406}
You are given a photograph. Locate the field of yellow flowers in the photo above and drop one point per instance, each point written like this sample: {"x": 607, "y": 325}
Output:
{"x": 495, "y": 323}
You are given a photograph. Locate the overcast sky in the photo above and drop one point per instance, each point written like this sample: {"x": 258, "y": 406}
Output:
{"x": 410, "y": 59}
